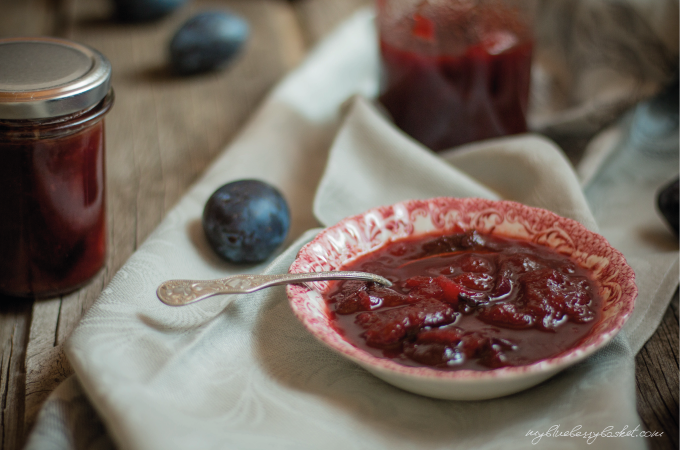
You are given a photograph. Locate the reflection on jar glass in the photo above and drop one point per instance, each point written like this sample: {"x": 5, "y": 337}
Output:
{"x": 456, "y": 71}
{"x": 52, "y": 175}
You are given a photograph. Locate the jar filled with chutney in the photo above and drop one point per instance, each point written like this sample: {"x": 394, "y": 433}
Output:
{"x": 54, "y": 95}
{"x": 456, "y": 71}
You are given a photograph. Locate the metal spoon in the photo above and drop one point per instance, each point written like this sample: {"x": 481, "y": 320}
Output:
{"x": 183, "y": 292}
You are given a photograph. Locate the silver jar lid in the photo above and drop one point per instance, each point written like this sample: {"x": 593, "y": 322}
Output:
{"x": 45, "y": 77}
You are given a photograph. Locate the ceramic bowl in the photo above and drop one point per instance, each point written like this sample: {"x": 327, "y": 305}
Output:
{"x": 364, "y": 233}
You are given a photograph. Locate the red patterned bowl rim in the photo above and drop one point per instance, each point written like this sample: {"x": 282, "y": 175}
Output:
{"x": 355, "y": 236}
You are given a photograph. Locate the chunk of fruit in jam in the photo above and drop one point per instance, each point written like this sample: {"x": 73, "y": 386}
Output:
{"x": 450, "y": 346}
{"x": 474, "y": 281}
{"x": 386, "y": 328}
{"x": 357, "y": 296}
{"x": 452, "y": 243}
{"x": 475, "y": 264}
{"x": 548, "y": 299}
{"x": 507, "y": 315}
{"x": 557, "y": 296}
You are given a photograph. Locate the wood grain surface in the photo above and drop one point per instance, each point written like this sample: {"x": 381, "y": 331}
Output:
{"x": 162, "y": 133}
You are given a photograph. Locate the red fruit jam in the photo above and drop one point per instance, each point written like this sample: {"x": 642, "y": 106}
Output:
{"x": 53, "y": 234}
{"x": 454, "y": 77}
{"x": 466, "y": 301}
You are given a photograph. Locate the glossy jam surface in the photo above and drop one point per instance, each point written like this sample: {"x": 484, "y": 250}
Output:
{"x": 466, "y": 301}
{"x": 457, "y": 78}
{"x": 52, "y": 194}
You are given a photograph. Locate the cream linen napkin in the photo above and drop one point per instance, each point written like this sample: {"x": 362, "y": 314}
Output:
{"x": 240, "y": 372}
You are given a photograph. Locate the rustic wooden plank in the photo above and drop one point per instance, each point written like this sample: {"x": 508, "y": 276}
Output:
{"x": 656, "y": 373}
{"x": 161, "y": 134}
{"x": 15, "y": 318}
{"x": 40, "y": 349}
{"x": 319, "y": 17}
{"x": 28, "y": 18}
{"x": 19, "y": 18}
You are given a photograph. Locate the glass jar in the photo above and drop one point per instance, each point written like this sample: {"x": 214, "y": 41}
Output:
{"x": 53, "y": 97}
{"x": 456, "y": 71}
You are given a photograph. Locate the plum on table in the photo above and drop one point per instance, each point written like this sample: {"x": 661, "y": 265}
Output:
{"x": 246, "y": 220}
{"x": 207, "y": 41}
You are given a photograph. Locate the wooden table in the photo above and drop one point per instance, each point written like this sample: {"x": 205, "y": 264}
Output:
{"x": 161, "y": 134}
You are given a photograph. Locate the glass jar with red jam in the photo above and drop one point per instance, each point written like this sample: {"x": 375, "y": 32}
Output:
{"x": 54, "y": 95}
{"x": 456, "y": 71}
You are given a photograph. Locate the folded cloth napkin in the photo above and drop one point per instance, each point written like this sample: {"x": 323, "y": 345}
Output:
{"x": 240, "y": 371}
{"x": 593, "y": 59}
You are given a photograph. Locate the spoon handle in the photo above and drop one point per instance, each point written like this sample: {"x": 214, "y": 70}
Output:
{"x": 183, "y": 292}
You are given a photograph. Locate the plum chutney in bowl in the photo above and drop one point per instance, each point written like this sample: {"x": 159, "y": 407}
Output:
{"x": 466, "y": 301}
{"x": 488, "y": 297}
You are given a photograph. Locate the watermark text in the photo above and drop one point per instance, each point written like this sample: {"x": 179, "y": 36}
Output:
{"x": 590, "y": 436}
